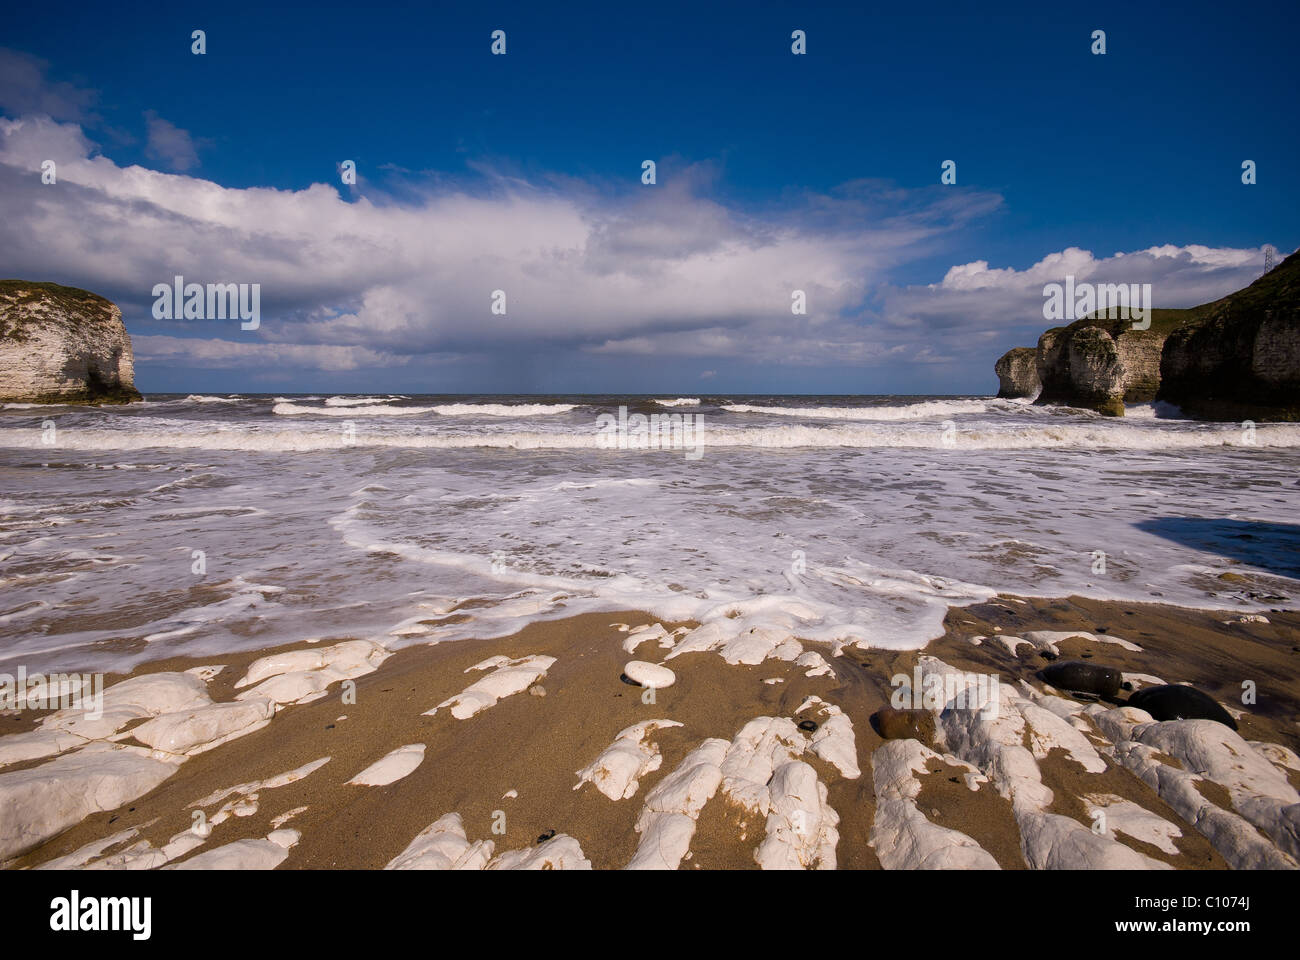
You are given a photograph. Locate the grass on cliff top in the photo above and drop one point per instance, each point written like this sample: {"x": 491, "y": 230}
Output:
{"x": 30, "y": 291}
{"x": 1280, "y": 287}
{"x": 69, "y": 304}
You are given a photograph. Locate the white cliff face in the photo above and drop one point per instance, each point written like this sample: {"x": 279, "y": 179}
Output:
{"x": 62, "y": 345}
{"x": 1018, "y": 373}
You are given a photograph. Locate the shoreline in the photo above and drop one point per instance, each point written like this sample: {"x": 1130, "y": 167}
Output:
{"x": 536, "y": 745}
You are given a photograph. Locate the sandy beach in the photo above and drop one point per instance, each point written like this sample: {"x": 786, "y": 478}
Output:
{"x": 697, "y": 440}
{"x": 510, "y": 770}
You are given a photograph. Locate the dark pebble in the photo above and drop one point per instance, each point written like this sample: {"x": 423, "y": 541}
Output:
{"x": 1175, "y": 701}
{"x": 1079, "y": 677}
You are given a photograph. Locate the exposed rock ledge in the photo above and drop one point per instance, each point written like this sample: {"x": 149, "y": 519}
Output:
{"x": 1235, "y": 358}
{"x": 62, "y": 345}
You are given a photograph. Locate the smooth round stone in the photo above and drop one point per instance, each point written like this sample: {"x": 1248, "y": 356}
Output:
{"x": 649, "y": 674}
{"x": 1175, "y": 701}
{"x": 1078, "y": 676}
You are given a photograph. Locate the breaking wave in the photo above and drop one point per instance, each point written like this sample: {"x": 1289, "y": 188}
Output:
{"x": 1087, "y": 436}
{"x": 907, "y": 411}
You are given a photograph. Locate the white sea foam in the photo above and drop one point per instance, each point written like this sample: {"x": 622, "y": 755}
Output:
{"x": 854, "y": 532}
{"x": 378, "y": 408}
{"x": 906, "y": 411}
{"x": 1150, "y": 411}
{"x": 298, "y": 410}
{"x": 680, "y": 402}
{"x": 356, "y": 401}
{"x": 503, "y": 409}
{"x": 1148, "y": 435}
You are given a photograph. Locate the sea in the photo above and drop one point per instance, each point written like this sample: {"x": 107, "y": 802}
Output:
{"x": 204, "y": 524}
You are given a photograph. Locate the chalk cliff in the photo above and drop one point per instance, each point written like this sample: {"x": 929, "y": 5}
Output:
{"x": 62, "y": 345}
{"x": 1235, "y": 358}
{"x": 1101, "y": 364}
{"x": 1018, "y": 373}
{"x": 1239, "y": 358}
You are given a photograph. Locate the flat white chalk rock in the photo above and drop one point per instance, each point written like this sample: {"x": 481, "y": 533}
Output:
{"x": 391, "y": 767}
{"x": 43, "y": 801}
{"x": 561, "y": 852}
{"x": 192, "y": 731}
{"x": 617, "y": 771}
{"x": 508, "y": 677}
{"x": 443, "y": 846}
{"x": 264, "y": 854}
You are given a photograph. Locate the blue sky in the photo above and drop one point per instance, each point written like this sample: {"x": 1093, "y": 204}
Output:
{"x": 523, "y": 171}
